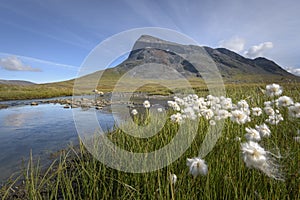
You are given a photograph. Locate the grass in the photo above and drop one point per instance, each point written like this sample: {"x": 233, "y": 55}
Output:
{"x": 76, "y": 174}
{"x": 106, "y": 81}
{"x": 18, "y": 92}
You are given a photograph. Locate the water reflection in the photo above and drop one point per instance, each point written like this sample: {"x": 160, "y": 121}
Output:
{"x": 44, "y": 129}
{"x": 20, "y": 119}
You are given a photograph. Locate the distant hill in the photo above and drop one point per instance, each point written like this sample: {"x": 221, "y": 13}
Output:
{"x": 232, "y": 66}
{"x": 16, "y": 82}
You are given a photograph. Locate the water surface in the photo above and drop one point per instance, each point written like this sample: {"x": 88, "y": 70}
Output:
{"x": 44, "y": 129}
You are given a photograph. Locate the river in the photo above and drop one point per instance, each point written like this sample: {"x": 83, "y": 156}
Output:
{"x": 42, "y": 129}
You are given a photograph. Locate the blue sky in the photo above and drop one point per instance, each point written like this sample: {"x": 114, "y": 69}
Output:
{"x": 47, "y": 41}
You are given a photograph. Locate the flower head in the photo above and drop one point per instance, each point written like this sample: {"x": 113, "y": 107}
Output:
{"x": 174, "y": 105}
{"x": 222, "y": 114}
{"x": 207, "y": 113}
{"x": 212, "y": 122}
{"x": 243, "y": 105}
{"x": 226, "y": 103}
{"x": 274, "y": 119}
{"x": 177, "y": 118}
{"x": 294, "y": 111}
{"x": 256, "y": 111}
{"x": 253, "y": 154}
{"x": 252, "y": 134}
{"x": 263, "y": 130}
{"x": 189, "y": 112}
{"x": 173, "y": 178}
{"x": 146, "y": 104}
{"x": 134, "y": 112}
{"x": 273, "y": 90}
{"x": 285, "y": 101}
{"x": 197, "y": 166}
{"x": 239, "y": 117}
{"x": 269, "y": 110}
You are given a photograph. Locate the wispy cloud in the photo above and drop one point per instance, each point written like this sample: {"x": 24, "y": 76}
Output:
{"x": 13, "y": 63}
{"x": 235, "y": 43}
{"x": 36, "y": 60}
{"x": 295, "y": 71}
{"x": 258, "y": 50}
{"x": 77, "y": 41}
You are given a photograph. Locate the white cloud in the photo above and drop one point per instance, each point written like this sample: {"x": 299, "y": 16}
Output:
{"x": 236, "y": 44}
{"x": 13, "y": 63}
{"x": 295, "y": 71}
{"x": 258, "y": 50}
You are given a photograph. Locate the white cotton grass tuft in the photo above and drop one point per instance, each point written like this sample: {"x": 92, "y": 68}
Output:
{"x": 257, "y": 157}
{"x": 294, "y": 111}
{"x": 268, "y": 104}
{"x": 263, "y": 130}
{"x": 177, "y": 118}
{"x": 207, "y": 114}
{"x": 212, "y": 122}
{"x": 243, "y": 105}
{"x": 252, "y": 134}
{"x": 256, "y": 111}
{"x": 269, "y": 110}
{"x": 274, "y": 119}
{"x": 146, "y": 104}
{"x": 239, "y": 117}
{"x": 134, "y": 112}
{"x": 173, "y": 178}
{"x": 223, "y": 114}
{"x": 285, "y": 101}
{"x": 174, "y": 105}
{"x": 253, "y": 154}
{"x": 273, "y": 90}
{"x": 189, "y": 113}
{"x": 197, "y": 166}
{"x": 159, "y": 109}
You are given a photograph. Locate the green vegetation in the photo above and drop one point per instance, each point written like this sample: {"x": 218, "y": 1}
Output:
{"x": 18, "y": 92}
{"x": 110, "y": 78}
{"x": 76, "y": 174}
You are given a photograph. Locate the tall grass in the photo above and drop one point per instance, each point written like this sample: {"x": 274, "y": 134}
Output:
{"x": 76, "y": 174}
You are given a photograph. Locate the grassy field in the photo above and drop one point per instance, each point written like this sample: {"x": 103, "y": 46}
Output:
{"x": 106, "y": 82}
{"x": 76, "y": 174}
{"x": 19, "y": 92}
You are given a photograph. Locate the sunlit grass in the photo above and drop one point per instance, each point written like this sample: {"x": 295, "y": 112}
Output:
{"x": 76, "y": 174}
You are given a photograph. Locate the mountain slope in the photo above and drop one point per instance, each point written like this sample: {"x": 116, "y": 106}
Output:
{"x": 232, "y": 66}
{"x": 16, "y": 82}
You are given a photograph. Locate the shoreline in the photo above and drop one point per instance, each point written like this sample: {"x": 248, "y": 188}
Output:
{"x": 86, "y": 101}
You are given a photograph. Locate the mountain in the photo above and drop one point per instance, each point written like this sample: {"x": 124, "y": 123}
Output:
{"x": 195, "y": 63}
{"x": 16, "y": 82}
{"x": 232, "y": 66}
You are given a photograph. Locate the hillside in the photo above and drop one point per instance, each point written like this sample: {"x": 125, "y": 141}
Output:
{"x": 233, "y": 68}
{"x": 16, "y": 82}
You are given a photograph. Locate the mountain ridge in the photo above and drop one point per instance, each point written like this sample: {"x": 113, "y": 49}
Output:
{"x": 232, "y": 66}
{"x": 16, "y": 82}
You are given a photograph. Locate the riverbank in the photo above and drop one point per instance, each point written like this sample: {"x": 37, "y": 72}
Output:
{"x": 76, "y": 174}
{"x": 91, "y": 101}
